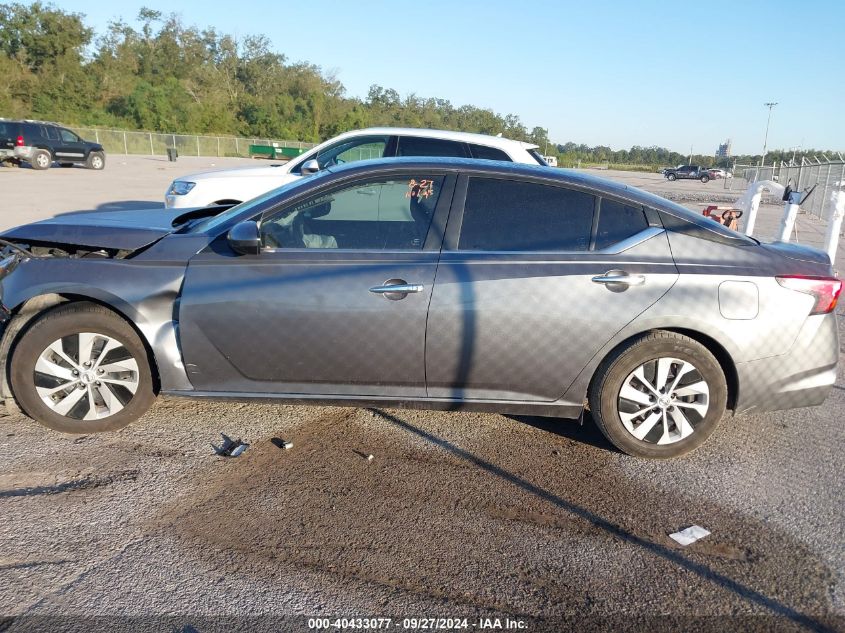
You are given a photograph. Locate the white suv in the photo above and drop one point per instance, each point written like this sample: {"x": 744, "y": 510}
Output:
{"x": 236, "y": 185}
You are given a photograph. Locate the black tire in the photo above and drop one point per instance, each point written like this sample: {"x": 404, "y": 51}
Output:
{"x": 65, "y": 321}
{"x": 671, "y": 177}
{"x": 615, "y": 371}
{"x": 96, "y": 160}
{"x": 705, "y": 179}
{"x": 41, "y": 159}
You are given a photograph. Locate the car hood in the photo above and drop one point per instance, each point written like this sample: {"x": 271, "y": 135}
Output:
{"x": 119, "y": 230}
{"x": 268, "y": 171}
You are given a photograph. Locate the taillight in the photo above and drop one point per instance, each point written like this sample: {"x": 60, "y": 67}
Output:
{"x": 825, "y": 290}
{"x": 19, "y": 142}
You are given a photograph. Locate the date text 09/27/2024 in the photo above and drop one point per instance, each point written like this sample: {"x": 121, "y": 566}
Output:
{"x": 417, "y": 624}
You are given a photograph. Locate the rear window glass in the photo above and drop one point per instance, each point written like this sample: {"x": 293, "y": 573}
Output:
{"x": 508, "y": 215}
{"x": 414, "y": 146}
{"x": 618, "y": 222}
{"x": 538, "y": 157}
{"x": 488, "y": 153}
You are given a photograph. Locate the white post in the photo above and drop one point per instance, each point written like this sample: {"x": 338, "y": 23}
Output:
{"x": 152, "y": 153}
{"x": 834, "y": 225}
{"x": 790, "y": 213}
{"x": 752, "y": 211}
{"x": 198, "y": 145}
{"x": 125, "y": 148}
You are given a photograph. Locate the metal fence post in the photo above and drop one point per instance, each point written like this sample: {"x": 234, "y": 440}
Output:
{"x": 218, "y": 147}
{"x": 125, "y": 147}
{"x": 152, "y": 152}
{"x": 198, "y": 145}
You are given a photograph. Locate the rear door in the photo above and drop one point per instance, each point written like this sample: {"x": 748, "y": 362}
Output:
{"x": 534, "y": 278}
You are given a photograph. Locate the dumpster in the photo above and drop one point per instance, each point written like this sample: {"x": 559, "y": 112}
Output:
{"x": 274, "y": 151}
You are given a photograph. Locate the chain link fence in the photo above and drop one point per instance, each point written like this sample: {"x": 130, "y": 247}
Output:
{"x": 825, "y": 177}
{"x": 156, "y": 143}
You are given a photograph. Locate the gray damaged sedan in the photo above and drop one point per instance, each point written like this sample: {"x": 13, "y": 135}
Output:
{"x": 431, "y": 283}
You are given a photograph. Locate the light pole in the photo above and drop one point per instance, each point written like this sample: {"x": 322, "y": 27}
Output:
{"x": 769, "y": 105}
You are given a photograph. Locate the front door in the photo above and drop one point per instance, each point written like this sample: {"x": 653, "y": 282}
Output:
{"x": 70, "y": 148}
{"x": 336, "y": 302}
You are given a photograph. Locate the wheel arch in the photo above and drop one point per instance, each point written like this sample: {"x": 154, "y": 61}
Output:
{"x": 28, "y": 311}
{"x": 712, "y": 345}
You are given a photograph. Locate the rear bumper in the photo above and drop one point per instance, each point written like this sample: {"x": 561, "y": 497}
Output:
{"x": 800, "y": 378}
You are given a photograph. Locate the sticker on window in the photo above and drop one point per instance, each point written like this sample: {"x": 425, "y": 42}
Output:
{"x": 422, "y": 189}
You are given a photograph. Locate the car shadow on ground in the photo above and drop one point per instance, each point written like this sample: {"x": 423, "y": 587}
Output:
{"x": 583, "y": 431}
{"x": 120, "y": 205}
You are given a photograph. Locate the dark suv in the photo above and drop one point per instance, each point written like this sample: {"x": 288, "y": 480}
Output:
{"x": 40, "y": 144}
{"x": 694, "y": 172}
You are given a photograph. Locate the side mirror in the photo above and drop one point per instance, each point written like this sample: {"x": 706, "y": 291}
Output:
{"x": 310, "y": 167}
{"x": 245, "y": 238}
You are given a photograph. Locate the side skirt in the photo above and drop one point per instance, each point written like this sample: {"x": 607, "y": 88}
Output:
{"x": 545, "y": 409}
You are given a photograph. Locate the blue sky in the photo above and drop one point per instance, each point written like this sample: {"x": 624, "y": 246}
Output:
{"x": 614, "y": 73}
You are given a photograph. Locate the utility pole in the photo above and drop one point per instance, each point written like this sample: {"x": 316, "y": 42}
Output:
{"x": 769, "y": 105}
{"x": 689, "y": 162}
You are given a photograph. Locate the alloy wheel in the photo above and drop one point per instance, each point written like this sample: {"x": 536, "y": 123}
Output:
{"x": 86, "y": 376}
{"x": 663, "y": 400}
{"x": 96, "y": 162}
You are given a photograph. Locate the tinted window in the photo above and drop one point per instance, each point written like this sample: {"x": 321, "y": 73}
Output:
{"x": 68, "y": 136}
{"x": 387, "y": 214}
{"x": 488, "y": 153}
{"x": 617, "y": 222}
{"x": 507, "y": 215}
{"x": 52, "y": 133}
{"x": 414, "y": 146}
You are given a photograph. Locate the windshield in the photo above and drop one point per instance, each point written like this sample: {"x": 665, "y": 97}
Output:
{"x": 257, "y": 204}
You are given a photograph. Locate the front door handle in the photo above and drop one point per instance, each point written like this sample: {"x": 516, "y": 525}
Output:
{"x": 619, "y": 277}
{"x": 395, "y": 289}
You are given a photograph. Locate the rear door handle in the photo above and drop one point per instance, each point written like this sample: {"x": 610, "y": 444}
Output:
{"x": 619, "y": 277}
{"x": 396, "y": 289}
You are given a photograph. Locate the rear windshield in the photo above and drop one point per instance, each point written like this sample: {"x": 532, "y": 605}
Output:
{"x": 538, "y": 157}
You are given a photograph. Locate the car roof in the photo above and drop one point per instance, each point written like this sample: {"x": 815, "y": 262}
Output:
{"x": 447, "y": 135}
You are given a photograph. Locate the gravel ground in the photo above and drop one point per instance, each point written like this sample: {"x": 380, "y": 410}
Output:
{"x": 457, "y": 514}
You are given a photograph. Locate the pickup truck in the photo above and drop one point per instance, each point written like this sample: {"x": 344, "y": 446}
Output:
{"x": 690, "y": 172}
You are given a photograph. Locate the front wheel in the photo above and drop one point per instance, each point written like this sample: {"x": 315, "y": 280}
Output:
{"x": 660, "y": 396}
{"x": 671, "y": 177}
{"x": 96, "y": 160}
{"x": 81, "y": 368}
{"x": 705, "y": 179}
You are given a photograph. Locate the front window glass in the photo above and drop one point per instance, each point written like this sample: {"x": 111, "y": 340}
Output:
{"x": 508, "y": 215}
{"x": 348, "y": 151}
{"x": 68, "y": 136}
{"x": 386, "y": 214}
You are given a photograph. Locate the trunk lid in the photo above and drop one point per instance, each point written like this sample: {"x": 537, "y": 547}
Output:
{"x": 798, "y": 252}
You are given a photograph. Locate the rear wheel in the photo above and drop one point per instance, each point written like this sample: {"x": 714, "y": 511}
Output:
{"x": 671, "y": 177}
{"x": 705, "y": 179}
{"x": 660, "y": 396}
{"x": 42, "y": 159}
{"x": 80, "y": 369}
{"x": 96, "y": 160}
